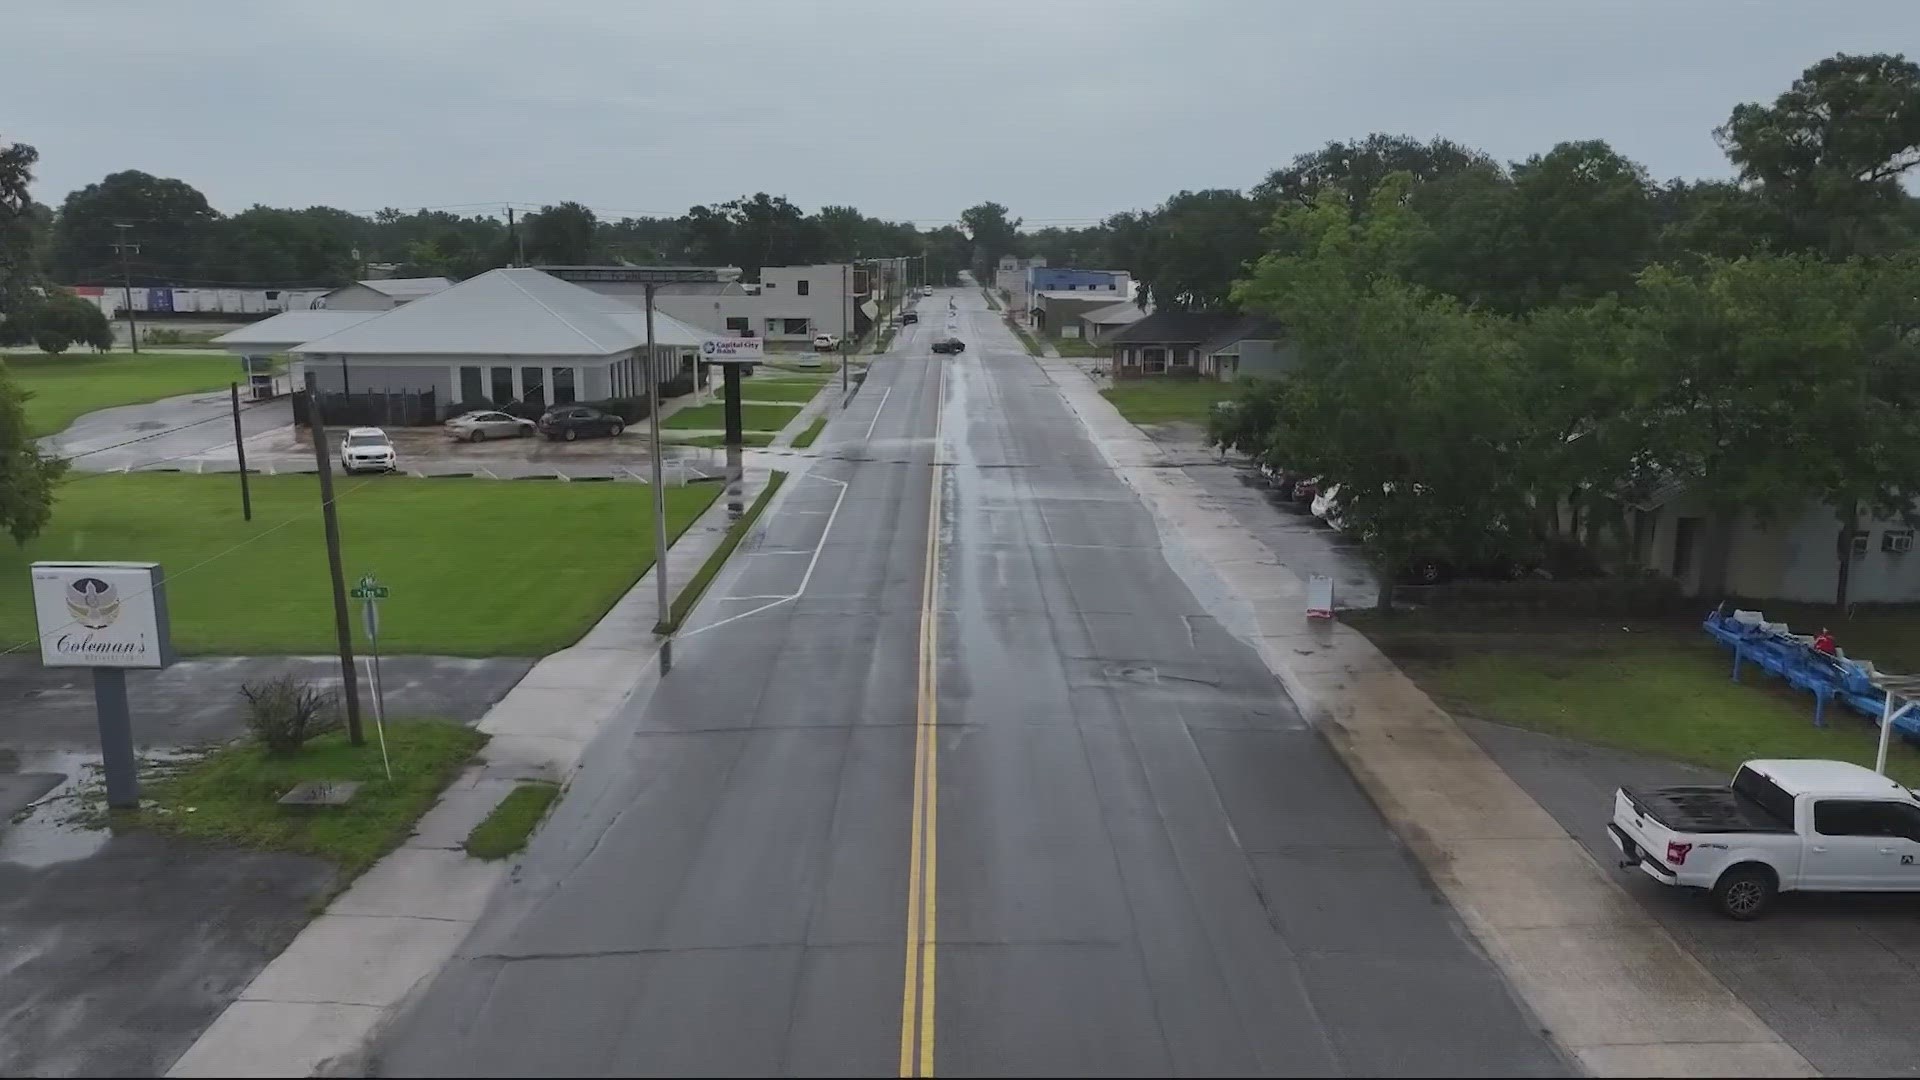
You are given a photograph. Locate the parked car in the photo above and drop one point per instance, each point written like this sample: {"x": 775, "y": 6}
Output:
{"x": 1305, "y": 488}
{"x": 570, "y": 422}
{"x": 926, "y": 290}
{"x": 909, "y": 317}
{"x": 1784, "y": 825}
{"x": 1325, "y": 508}
{"x": 826, "y": 342}
{"x": 481, "y": 426}
{"x": 367, "y": 449}
{"x": 950, "y": 345}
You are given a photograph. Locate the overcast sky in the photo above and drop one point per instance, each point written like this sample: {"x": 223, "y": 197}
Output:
{"x": 1063, "y": 110}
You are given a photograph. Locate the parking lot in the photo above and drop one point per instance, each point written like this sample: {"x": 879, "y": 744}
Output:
{"x": 1834, "y": 975}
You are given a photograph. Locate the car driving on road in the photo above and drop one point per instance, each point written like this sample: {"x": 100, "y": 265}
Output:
{"x": 481, "y": 426}
{"x": 570, "y": 422}
{"x": 367, "y": 449}
{"x": 949, "y": 345}
{"x": 1785, "y": 825}
{"x": 926, "y": 290}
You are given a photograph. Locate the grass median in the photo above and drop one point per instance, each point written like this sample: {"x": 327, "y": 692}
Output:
{"x": 507, "y": 828}
{"x": 232, "y": 794}
{"x": 63, "y": 388}
{"x": 752, "y": 417}
{"x": 696, "y": 585}
{"x": 1658, "y": 688}
{"x": 805, "y": 438}
{"x": 783, "y": 389}
{"x": 476, "y": 567}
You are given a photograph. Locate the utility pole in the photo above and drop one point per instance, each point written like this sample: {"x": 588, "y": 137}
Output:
{"x": 663, "y": 602}
{"x": 519, "y": 245}
{"x": 126, "y": 282}
{"x": 240, "y": 451}
{"x": 342, "y": 626}
{"x": 846, "y": 346}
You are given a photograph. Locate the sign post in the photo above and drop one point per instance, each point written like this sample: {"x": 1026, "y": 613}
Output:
{"x": 732, "y": 354}
{"x": 108, "y": 616}
{"x": 370, "y": 592}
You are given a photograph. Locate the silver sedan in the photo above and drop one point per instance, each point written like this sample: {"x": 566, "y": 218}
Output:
{"x": 481, "y": 426}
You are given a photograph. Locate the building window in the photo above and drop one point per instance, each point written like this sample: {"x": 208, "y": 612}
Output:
{"x": 1153, "y": 361}
{"x": 800, "y": 286}
{"x": 533, "y": 385}
{"x": 1859, "y": 543}
{"x": 502, "y": 378}
{"x": 773, "y": 326}
{"x": 798, "y": 326}
{"x": 1898, "y": 541}
{"x": 1183, "y": 358}
{"x": 740, "y": 325}
{"x": 1112, "y": 287}
{"x": 767, "y": 284}
{"x": 563, "y": 392}
{"x": 472, "y": 386}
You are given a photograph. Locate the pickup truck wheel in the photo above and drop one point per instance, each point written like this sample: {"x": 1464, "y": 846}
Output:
{"x": 1745, "y": 892}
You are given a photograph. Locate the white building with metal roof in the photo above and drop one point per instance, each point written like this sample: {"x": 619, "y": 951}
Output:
{"x": 507, "y": 335}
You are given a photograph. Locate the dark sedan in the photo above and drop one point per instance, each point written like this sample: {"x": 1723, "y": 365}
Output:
{"x": 950, "y": 345}
{"x": 570, "y": 422}
{"x": 909, "y": 318}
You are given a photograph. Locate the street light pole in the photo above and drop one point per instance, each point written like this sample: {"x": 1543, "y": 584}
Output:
{"x": 664, "y": 605}
{"x": 126, "y": 282}
{"x": 846, "y": 350}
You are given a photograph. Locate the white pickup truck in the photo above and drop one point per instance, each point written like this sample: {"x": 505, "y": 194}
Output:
{"x": 1782, "y": 825}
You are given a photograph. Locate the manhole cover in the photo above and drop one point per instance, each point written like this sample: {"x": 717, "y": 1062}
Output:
{"x": 1140, "y": 673}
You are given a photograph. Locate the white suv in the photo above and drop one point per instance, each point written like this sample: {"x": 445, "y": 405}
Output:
{"x": 826, "y": 342}
{"x": 367, "y": 449}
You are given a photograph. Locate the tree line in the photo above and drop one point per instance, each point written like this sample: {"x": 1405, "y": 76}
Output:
{"x": 1506, "y": 355}
{"x": 183, "y": 241}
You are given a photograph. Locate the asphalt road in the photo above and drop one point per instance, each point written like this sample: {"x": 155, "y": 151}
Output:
{"x": 1068, "y": 826}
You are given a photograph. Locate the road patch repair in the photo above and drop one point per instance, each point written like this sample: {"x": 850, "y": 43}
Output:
{"x": 317, "y": 1006}
{"x": 1611, "y": 985}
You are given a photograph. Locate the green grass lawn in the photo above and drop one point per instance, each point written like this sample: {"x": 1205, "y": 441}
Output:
{"x": 1073, "y": 346}
{"x": 805, "y": 438}
{"x": 506, "y": 829}
{"x": 231, "y": 795}
{"x": 1164, "y": 401}
{"x": 784, "y": 389}
{"x": 476, "y": 567}
{"x": 1664, "y": 690}
{"x": 752, "y": 417}
{"x": 65, "y": 387}
{"x": 747, "y": 438}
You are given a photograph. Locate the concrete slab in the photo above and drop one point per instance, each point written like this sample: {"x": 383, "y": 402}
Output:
{"x": 460, "y": 808}
{"x": 1695, "y": 1059}
{"x": 423, "y": 883}
{"x": 357, "y": 960}
{"x": 276, "y": 1038}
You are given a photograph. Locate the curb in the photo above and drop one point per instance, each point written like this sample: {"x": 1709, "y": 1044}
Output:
{"x": 1612, "y": 987}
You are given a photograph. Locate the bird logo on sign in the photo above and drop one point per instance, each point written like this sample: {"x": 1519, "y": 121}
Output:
{"x": 93, "y": 603}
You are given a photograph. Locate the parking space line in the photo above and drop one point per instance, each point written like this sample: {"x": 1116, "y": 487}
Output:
{"x": 818, "y": 547}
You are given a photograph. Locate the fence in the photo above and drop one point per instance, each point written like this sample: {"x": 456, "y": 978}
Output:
{"x": 379, "y": 408}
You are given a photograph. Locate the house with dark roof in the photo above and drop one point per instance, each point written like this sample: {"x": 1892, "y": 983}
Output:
{"x": 1199, "y": 345}
{"x": 1098, "y": 325}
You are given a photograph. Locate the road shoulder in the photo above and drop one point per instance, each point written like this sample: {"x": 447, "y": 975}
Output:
{"x": 1613, "y": 987}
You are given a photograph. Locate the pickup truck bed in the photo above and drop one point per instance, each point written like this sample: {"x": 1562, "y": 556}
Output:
{"x": 1705, "y": 810}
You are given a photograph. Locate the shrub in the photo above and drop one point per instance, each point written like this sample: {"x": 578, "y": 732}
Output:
{"x": 285, "y": 711}
{"x": 674, "y": 387}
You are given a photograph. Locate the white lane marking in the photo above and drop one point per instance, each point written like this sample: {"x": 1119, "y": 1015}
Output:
{"x": 804, "y": 578}
{"x": 876, "y": 412}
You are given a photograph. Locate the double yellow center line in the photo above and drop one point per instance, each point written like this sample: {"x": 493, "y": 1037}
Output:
{"x": 916, "y": 1004}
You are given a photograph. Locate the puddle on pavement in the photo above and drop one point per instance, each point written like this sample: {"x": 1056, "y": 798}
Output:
{"x": 66, "y": 823}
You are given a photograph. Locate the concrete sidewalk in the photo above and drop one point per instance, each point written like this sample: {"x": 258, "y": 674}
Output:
{"x": 316, "y": 1007}
{"x": 1608, "y": 981}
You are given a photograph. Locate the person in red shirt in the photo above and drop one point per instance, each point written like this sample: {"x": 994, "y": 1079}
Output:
{"x": 1824, "y": 642}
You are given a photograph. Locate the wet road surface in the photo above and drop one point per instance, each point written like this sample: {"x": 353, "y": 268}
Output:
{"x": 1067, "y": 825}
